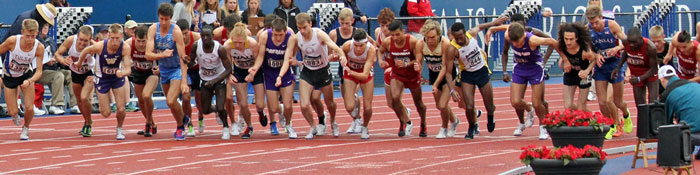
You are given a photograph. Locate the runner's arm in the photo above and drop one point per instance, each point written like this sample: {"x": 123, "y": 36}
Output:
{"x": 651, "y": 57}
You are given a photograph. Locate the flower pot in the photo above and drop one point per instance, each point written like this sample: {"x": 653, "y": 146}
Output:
{"x": 578, "y": 166}
{"x": 577, "y": 136}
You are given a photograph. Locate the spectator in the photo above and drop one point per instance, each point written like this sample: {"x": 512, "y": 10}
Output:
{"x": 210, "y": 14}
{"x": 288, "y": 11}
{"x": 43, "y": 14}
{"x": 184, "y": 9}
{"x": 682, "y": 98}
{"x": 418, "y": 8}
{"x": 55, "y": 77}
{"x": 60, "y": 3}
{"x": 252, "y": 11}
{"x": 129, "y": 28}
{"x": 102, "y": 33}
{"x": 231, "y": 7}
{"x": 357, "y": 14}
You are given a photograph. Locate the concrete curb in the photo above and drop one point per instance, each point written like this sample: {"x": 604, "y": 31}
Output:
{"x": 610, "y": 151}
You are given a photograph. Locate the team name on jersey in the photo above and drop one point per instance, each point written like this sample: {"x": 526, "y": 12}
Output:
{"x": 635, "y": 59}
{"x": 274, "y": 51}
{"x": 604, "y": 41}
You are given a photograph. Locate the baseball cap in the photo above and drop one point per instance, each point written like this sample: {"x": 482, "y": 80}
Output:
{"x": 666, "y": 71}
{"x": 130, "y": 24}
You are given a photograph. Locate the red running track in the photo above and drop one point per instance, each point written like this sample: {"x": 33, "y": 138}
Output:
{"x": 56, "y": 148}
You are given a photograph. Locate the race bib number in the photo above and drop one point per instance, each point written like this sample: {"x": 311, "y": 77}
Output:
{"x": 143, "y": 65}
{"x": 312, "y": 61}
{"x": 435, "y": 67}
{"x": 605, "y": 55}
{"x": 208, "y": 72}
{"x": 81, "y": 69}
{"x": 355, "y": 65}
{"x": 110, "y": 71}
{"x": 517, "y": 60}
{"x": 243, "y": 62}
{"x": 634, "y": 61}
{"x": 18, "y": 67}
{"x": 274, "y": 63}
{"x": 402, "y": 61}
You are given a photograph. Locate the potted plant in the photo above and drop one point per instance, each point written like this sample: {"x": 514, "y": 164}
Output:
{"x": 564, "y": 160}
{"x": 577, "y": 128}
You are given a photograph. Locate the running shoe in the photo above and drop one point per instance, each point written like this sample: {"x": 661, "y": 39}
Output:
{"x": 87, "y": 131}
{"x": 82, "y": 130}
{"x": 311, "y": 134}
{"x": 336, "y": 130}
{"x": 147, "y": 131}
{"x": 273, "y": 129}
{"x": 185, "y": 120}
{"x": 470, "y": 132}
{"x": 56, "y": 110}
{"x": 246, "y": 134}
{"x": 25, "y": 133}
{"x": 478, "y": 116}
{"x": 358, "y": 125}
{"x": 491, "y": 125}
{"x": 365, "y": 133}
{"x": 120, "y": 134}
{"x": 530, "y": 117}
{"x": 409, "y": 128}
{"x": 263, "y": 119}
{"x": 200, "y": 127}
{"x": 154, "y": 129}
{"x": 610, "y": 133}
{"x": 225, "y": 134}
{"x": 179, "y": 134}
{"x": 290, "y": 131}
{"x": 453, "y": 128}
{"x": 321, "y": 129}
{"x": 423, "y": 131}
{"x": 235, "y": 129}
{"x": 75, "y": 110}
{"x": 544, "y": 135}
{"x": 190, "y": 131}
{"x": 619, "y": 131}
{"x": 519, "y": 131}
{"x": 351, "y": 129}
{"x": 402, "y": 129}
{"x": 441, "y": 134}
{"x": 627, "y": 122}
{"x": 17, "y": 120}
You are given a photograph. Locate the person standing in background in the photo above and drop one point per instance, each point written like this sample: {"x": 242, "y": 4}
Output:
{"x": 129, "y": 28}
{"x": 418, "y": 8}
{"x": 357, "y": 14}
{"x": 209, "y": 14}
{"x": 287, "y": 10}
{"x": 252, "y": 11}
{"x": 183, "y": 9}
{"x": 231, "y": 7}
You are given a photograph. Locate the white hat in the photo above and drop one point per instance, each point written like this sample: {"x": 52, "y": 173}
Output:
{"x": 666, "y": 71}
{"x": 47, "y": 11}
{"x": 130, "y": 24}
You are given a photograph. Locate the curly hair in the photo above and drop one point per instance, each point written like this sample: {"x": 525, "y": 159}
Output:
{"x": 583, "y": 37}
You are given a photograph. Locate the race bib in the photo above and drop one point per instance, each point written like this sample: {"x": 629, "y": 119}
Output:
{"x": 208, "y": 72}
{"x": 143, "y": 65}
{"x": 18, "y": 67}
{"x": 110, "y": 71}
{"x": 274, "y": 63}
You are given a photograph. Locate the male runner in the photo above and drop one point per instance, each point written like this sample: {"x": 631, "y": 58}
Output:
{"x": 144, "y": 78}
{"x": 575, "y": 42}
{"x": 359, "y": 66}
{"x": 640, "y": 55}
{"x": 243, "y": 50}
{"x": 688, "y": 56}
{"x": 193, "y": 80}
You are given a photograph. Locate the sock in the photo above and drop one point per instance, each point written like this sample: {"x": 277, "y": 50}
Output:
{"x": 182, "y": 127}
{"x": 408, "y": 123}
{"x": 261, "y": 113}
{"x": 490, "y": 118}
{"x": 322, "y": 120}
{"x": 472, "y": 125}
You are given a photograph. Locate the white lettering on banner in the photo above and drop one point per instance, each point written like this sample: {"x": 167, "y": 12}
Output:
{"x": 691, "y": 25}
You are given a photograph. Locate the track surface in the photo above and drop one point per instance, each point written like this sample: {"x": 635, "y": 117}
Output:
{"x": 56, "y": 148}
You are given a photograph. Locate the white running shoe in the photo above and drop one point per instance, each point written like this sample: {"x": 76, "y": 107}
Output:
{"x": 292, "y": 134}
{"x": 453, "y": 128}
{"x": 442, "y": 134}
{"x": 365, "y": 133}
{"x": 75, "y": 110}
{"x": 190, "y": 131}
{"x": 320, "y": 129}
{"x": 120, "y": 134}
{"x": 25, "y": 134}
{"x": 312, "y": 132}
{"x": 530, "y": 117}
{"x": 56, "y": 110}
{"x": 519, "y": 131}
{"x": 592, "y": 96}
{"x": 544, "y": 135}
{"x": 225, "y": 134}
{"x": 409, "y": 128}
{"x": 336, "y": 130}
{"x": 235, "y": 129}
{"x": 351, "y": 129}
{"x": 200, "y": 127}
{"x": 38, "y": 112}
{"x": 358, "y": 126}
{"x": 17, "y": 120}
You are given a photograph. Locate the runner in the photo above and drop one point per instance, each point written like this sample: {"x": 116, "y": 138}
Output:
{"x": 688, "y": 56}
{"x": 193, "y": 80}
{"x": 145, "y": 77}
{"x": 359, "y": 71}
{"x": 161, "y": 45}
{"x": 221, "y": 34}
{"x": 529, "y": 68}
{"x": 82, "y": 89}
{"x": 474, "y": 72}
{"x": 315, "y": 73}
{"x": 605, "y": 34}
{"x": 113, "y": 64}
{"x": 275, "y": 52}
{"x": 405, "y": 74}
{"x": 657, "y": 36}
{"x": 24, "y": 50}
{"x": 214, "y": 68}
{"x": 243, "y": 50}
{"x": 640, "y": 55}
{"x": 575, "y": 42}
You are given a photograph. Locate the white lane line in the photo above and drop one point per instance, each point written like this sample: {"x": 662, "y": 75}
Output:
{"x": 145, "y": 160}
{"x": 452, "y": 161}
{"x": 171, "y": 158}
{"x": 113, "y": 163}
{"x": 204, "y": 155}
{"x": 63, "y": 156}
{"x": 310, "y": 157}
{"x": 255, "y": 151}
{"x": 84, "y": 165}
{"x": 31, "y": 158}
{"x": 21, "y": 150}
{"x": 91, "y": 154}
{"x": 125, "y": 151}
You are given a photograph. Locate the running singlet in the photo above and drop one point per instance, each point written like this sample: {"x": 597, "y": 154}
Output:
{"x": 433, "y": 58}
{"x": 210, "y": 65}
{"x": 314, "y": 54}
{"x": 108, "y": 64}
{"x": 163, "y": 43}
{"x": 274, "y": 55}
{"x": 525, "y": 57}
{"x": 74, "y": 55}
{"x": 637, "y": 61}
{"x": 403, "y": 54}
{"x": 471, "y": 58}
{"x": 188, "y": 50}
{"x": 687, "y": 64}
{"x": 140, "y": 62}
{"x": 20, "y": 61}
{"x": 602, "y": 41}
{"x": 357, "y": 62}
{"x": 242, "y": 59}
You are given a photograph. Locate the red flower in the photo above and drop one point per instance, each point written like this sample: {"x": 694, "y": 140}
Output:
{"x": 573, "y": 118}
{"x": 567, "y": 153}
